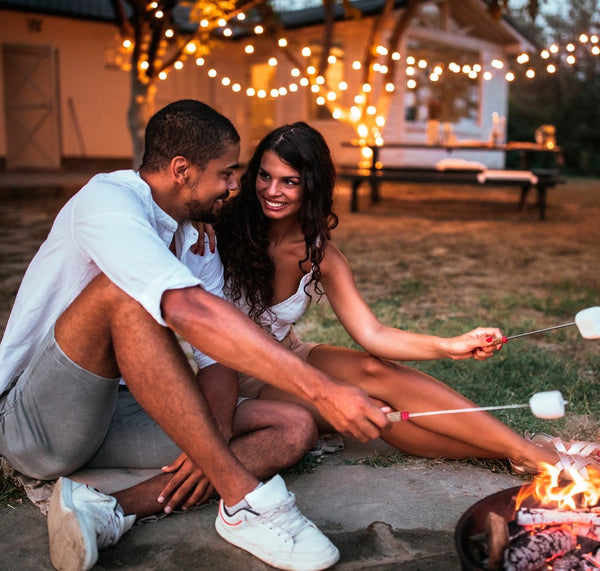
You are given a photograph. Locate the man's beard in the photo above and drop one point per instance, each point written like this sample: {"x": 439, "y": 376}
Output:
{"x": 197, "y": 212}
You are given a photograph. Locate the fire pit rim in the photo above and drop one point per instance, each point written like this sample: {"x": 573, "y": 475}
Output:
{"x": 472, "y": 521}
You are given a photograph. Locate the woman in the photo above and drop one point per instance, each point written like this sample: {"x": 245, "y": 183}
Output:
{"x": 281, "y": 221}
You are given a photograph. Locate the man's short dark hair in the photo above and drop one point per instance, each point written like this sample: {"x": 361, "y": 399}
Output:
{"x": 187, "y": 128}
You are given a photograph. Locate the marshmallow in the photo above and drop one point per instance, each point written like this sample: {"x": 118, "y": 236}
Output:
{"x": 548, "y": 404}
{"x": 588, "y": 322}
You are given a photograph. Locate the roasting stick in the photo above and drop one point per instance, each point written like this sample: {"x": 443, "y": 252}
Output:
{"x": 587, "y": 321}
{"x": 547, "y": 404}
{"x": 405, "y": 415}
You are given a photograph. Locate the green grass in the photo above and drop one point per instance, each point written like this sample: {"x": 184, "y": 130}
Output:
{"x": 558, "y": 360}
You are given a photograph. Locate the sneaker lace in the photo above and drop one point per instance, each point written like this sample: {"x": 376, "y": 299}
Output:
{"x": 286, "y": 516}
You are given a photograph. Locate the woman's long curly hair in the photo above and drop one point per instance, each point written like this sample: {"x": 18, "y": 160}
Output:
{"x": 243, "y": 229}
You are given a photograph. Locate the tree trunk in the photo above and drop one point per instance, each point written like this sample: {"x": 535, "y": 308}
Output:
{"x": 141, "y": 108}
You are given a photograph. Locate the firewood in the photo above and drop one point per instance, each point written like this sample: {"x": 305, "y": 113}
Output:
{"x": 542, "y": 516}
{"x": 568, "y": 562}
{"x": 530, "y": 552}
{"x": 496, "y": 529}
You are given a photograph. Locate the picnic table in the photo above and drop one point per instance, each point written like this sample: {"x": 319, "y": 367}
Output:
{"x": 458, "y": 172}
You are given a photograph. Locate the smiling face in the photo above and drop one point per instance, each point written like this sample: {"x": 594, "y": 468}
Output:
{"x": 207, "y": 189}
{"x": 278, "y": 187}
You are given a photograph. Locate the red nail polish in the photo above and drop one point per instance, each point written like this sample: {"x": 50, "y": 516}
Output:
{"x": 504, "y": 339}
{"x": 489, "y": 339}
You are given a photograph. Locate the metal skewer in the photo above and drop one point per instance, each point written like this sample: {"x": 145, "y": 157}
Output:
{"x": 587, "y": 321}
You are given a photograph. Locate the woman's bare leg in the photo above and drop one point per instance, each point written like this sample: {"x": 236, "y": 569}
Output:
{"x": 455, "y": 436}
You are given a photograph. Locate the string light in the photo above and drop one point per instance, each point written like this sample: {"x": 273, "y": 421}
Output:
{"x": 416, "y": 70}
{"x": 523, "y": 58}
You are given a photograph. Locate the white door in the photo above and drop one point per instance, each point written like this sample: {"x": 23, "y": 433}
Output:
{"x": 31, "y": 107}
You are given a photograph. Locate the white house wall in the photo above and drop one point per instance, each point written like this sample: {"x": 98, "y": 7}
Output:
{"x": 352, "y": 36}
{"x": 100, "y": 95}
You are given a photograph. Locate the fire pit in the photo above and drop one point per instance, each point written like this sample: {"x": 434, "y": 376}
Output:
{"x": 536, "y": 535}
{"x": 473, "y": 524}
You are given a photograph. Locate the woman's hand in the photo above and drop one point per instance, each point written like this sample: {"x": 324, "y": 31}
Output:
{"x": 481, "y": 343}
{"x": 204, "y": 229}
{"x": 188, "y": 486}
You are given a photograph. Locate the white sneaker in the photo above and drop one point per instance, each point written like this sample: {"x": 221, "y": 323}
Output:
{"x": 81, "y": 520}
{"x": 272, "y": 528}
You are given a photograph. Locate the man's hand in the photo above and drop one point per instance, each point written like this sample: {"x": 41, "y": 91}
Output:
{"x": 188, "y": 486}
{"x": 350, "y": 411}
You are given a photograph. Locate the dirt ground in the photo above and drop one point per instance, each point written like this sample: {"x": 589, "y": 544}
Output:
{"x": 466, "y": 242}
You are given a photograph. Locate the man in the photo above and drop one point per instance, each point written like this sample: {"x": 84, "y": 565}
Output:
{"x": 105, "y": 298}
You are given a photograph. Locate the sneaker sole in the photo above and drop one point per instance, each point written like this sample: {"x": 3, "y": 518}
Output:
{"x": 328, "y": 559}
{"x": 70, "y": 549}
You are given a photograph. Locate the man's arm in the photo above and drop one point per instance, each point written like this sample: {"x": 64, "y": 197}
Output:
{"x": 224, "y": 333}
{"x": 189, "y": 485}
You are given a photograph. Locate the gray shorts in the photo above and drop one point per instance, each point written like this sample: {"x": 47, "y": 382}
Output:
{"x": 58, "y": 417}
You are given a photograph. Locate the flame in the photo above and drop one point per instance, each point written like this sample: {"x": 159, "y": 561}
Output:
{"x": 549, "y": 489}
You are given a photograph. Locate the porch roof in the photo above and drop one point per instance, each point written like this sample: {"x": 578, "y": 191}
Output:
{"x": 471, "y": 15}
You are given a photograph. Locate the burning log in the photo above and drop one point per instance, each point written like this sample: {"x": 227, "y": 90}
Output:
{"x": 530, "y": 552}
{"x": 498, "y": 540}
{"x": 542, "y": 516}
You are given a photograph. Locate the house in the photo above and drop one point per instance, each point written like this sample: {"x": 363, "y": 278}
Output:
{"x": 65, "y": 96}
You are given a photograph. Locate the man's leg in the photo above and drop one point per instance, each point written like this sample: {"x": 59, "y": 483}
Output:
{"x": 108, "y": 333}
{"x": 268, "y": 436}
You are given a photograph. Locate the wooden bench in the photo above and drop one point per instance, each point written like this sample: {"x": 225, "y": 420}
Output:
{"x": 541, "y": 179}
